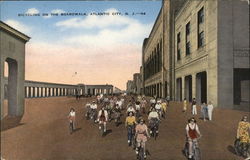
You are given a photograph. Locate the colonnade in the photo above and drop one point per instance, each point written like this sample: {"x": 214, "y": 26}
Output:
{"x": 154, "y": 90}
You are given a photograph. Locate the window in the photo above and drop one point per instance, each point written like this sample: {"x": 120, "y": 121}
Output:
{"x": 179, "y": 37}
{"x": 178, "y": 54}
{"x": 201, "y": 39}
{"x": 188, "y": 28}
{"x": 201, "y": 16}
{"x": 187, "y": 48}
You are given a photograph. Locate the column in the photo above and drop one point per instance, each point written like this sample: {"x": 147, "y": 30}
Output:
{"x": 38, "y": 92}
{"x": 193, "y": 85}
{"x": 29, "y": 92}
{"x": 34, "y": 92}
{"x": 49, "y": 94}
{"x": 183, "y": 87}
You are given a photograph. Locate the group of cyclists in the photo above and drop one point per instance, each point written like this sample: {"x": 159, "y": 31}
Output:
{"x": 139, "y": 109}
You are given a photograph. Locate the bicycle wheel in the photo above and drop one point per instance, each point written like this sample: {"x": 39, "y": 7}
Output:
{"x": 71, "y": 127}
{"x": 237, "y": 147}
{"x": 185, "y": 150}
{"x": 197, "y": 154}
{"x": 141, "y": 154}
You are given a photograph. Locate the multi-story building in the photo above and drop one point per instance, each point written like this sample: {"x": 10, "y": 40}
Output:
{"x": 212, "y": 52}
{"x": 199, "y": 49}
{"x": 130, "y": 86}
{"x": 137, "y": 80}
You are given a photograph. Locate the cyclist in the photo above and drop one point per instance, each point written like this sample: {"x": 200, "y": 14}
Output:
{"x": 72, "y": 118}
{"x": 164, "y": 108}
{"x": 119, "y": 103}
{"x": 243, "y": 132}
{"x": 117, "y": 112}
{"x": 141, "y": 133}
{"x": 129, "y": 103}
{"x": 131, "y": 109}
{"x": 158, "y": 108}
{"x": 152, "y": 101}
{"x": 137, "y": 108}
{"x": 130, "y": 124}
{"x": 93, "y": 108}
{"x": 103, "y": 118}
{"x": 154, "y": 119}
{"x": 87, "y": 106}
{"x": 192, "y": 132}
{"x": 143, "y": 104}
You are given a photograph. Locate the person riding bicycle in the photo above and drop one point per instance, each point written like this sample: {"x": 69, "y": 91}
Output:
{"x": 72, "y": 118}
{"x": 103, "y": 118}
{"x": 131, "y": 109}
{"x": 154, "y": 120}
{"x": 87, "y": 106}
{"x": 164, "y": 107}
{"x": 119, "y": 103}
{"x": 152, "y": 101}
{"x": 243, "y": 132}
{"x": 137, "y": 108}
{"x": 158, "y": 108}
{"x": 130, "y": 124}
{"x": 117, "y": 112}
{"x": 141, "y": 134}
{"x": 192, "y": 133}
{"x": 143, "y": 104}
{"x": 93, "y": 108}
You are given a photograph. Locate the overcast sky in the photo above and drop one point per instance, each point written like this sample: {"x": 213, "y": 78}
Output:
{"x": 101, "y": 49}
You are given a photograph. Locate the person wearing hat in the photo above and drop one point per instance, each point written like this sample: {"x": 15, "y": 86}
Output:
{"x": 141, "y": 134}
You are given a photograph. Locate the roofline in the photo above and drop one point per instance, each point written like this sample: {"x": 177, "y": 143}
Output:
{"x": 158, "y": 16}
{"x": 14, "y": 32}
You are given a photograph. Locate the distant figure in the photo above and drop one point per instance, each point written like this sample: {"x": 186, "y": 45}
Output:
{"x": 168, "y": 99}
{"x": 184, "y": 105}
{"x": 203, "y": 111}
{"x": 210, "y": 109}
{"x": 72, "y": 118}
{"x": 194, "y": 109}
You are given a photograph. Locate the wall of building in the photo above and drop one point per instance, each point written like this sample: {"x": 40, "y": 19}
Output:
{"x": 12, "y": 50}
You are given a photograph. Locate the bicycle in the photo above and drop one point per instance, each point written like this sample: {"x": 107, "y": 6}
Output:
{"x": 131, "y": 135}
{"x": 154, "y": 128}
{"x": 101, "y": 128}
{"x": 195, "y": 148}
{"x": 71, "y": 127}
{"x": 242, "y": 149}
{"x": 117, "y": 117}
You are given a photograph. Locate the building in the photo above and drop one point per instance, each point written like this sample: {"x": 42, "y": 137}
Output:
{"x": 199, "y": 49}
{"x": 130, "y": 86}
{"x": 137, "y": 81}
{"x": 12, "y": 52}
{"x": 157, "y": 57}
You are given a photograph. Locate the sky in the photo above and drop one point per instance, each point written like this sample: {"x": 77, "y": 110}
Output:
{"x": 86, "y": 48}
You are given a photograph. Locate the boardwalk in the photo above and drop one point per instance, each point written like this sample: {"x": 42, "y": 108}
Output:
{"x": 43, "y": 135}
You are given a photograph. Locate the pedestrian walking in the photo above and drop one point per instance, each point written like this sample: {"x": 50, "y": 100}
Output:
{"x": 194, "y": 110}
{"x": 203, "y": 111}
{"x": 184, "y": 105}
{"x": 210, "y": 109}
